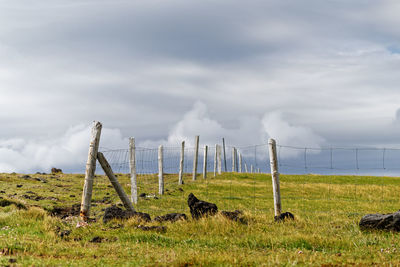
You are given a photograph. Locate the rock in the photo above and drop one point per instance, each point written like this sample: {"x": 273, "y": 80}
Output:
{"x": 115, "y": 212}
{"x": 142, "y": 195}
{"x": 55, "y": 170}
{"x": 161, "y": 229}
{"x": 96, "y": 239}
{"x": 2, "y": 192}
{"x": 284, "y": 216}
{"x": 171, "y": 217}
{"x": 25, "y": 177}
{"x": 236, "y": 216}
{"x": 64, "y": 233}
{"x": 5, "y": 203}
{"x": 19, "y": 185}
{"x": 199, "y": 208}
{"x": 80, "y": 224}
{"x": 390, "y": 222}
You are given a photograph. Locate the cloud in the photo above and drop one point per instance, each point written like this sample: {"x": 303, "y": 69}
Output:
{"x": 251, "y": 131}
{"x": 68, "y": 152}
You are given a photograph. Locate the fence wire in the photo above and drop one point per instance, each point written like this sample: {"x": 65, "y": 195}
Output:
{"x": 303, "y": 191}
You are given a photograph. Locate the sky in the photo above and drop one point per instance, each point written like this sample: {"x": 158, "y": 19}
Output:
{"x": 307, "y": 73}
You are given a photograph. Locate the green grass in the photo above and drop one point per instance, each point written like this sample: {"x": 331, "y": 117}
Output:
{"x": 325, "y": 231}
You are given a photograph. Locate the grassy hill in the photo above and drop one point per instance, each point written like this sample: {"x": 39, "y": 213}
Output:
{"x": 38, "y": 222}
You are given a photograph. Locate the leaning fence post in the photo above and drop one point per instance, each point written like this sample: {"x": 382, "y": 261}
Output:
{"x": 132, "y": 165}
{"x": 219, "y": 159}
{"x": 90, "y": 170}
{"x": 160, "y": 171}
{"x": 180, "y": 180}
{"x": 215, "y": 159}
{"x": 275, "y": 176}
{"x": 196, "y": 157}
{"x": 205, "y": 162}
{"x": 120, "y": 191}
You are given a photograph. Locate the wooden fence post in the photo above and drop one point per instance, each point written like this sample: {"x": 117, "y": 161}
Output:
{"x": 132, "y": 165}
{"x": 196, "y": 157}
{"x": 120, "y": 191}
{"x": 236, "y": 161}
{"x": 233, "y": 160}
{"x": 219, "y": 159}
{"x": 245, "y": 168}
{"x": 240, "y": 162}
{"x": 90, "y": 171}
{"x": 160, "y": 170}
{"x": 223, "y": 147}
{"x": 251, "y": 168}
{"x": 215, "y": 159}
{"x": 205, "y": 162}
{"x": 180, "y": 180}
{"x": 275, "y": 176}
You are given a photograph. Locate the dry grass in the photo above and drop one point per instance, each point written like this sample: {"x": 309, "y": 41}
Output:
{"x": 325, "y": 232}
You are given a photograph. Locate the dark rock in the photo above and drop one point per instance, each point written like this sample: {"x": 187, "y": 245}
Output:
{"x": 12, "y": 260}
{"x": 19, "y": 185}
{"x": 284, "y": 216}
{"x": 115, "y": 212}
{"x": 64, "y": 233}
{"x": 161, "y": 229}
{"x": 180, "y": 189}
{"x": 25, "y": 177}
{"x": 200, "y": 208}
{"x": 71, "y": 195}
{"x": 390, "y": 222}
{"x": 236, "y": 216}
{"x": 41, "y": 180}
{"x": 5, "y": 203}
{"x": 55, "y": 170}
{"x": 34, "y": 197}
{"x": 171, "y": 217}
{"x": 142, "y": 195}
{"x": 2, "y": 192}
{"x": 96, "y": 239}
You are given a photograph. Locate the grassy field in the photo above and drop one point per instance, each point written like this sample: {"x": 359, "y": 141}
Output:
{"x": 325, "y": 231}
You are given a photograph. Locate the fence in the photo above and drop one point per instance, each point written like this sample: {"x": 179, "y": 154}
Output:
{"x": 302, "y": 194}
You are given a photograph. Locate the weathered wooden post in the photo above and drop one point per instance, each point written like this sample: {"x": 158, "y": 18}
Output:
{"x": 275, "y": 176}
{"x": 205, "y": 162}
{"x": 240, "y": 162}
{"x": 233, "y": 159}
{"x": 219, "y": 160}
{"x": 132, "y": 165}
{"x": 245, "y": 168}
{"x": 114, "y": 181}
{"x": 251, "y": 168}
{"x": 196, "y": 157}
{"x": 160, "y": 171}
{"x": 236, "y": 161}
{"x": 223, "y": 147}
{"x": 215, "y": 159}
{"x": 90, "y": 171}
{"x": 180, "y": 180}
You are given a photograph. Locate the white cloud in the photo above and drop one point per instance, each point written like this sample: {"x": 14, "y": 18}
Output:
{"x": 68, "y": 152}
